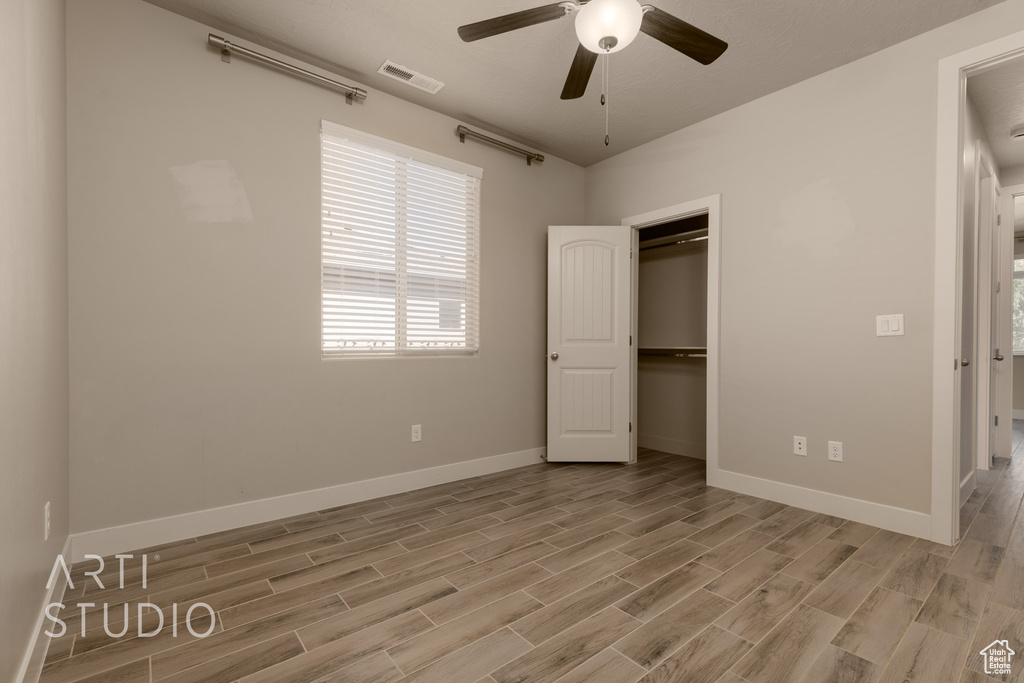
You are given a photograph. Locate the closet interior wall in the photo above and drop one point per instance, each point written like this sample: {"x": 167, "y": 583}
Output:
{"x": 672, "y": 312}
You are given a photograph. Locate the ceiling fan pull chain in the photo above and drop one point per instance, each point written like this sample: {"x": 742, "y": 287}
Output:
{"x": 605, "y": 96}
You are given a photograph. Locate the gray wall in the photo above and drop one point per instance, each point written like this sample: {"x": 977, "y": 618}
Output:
{"x": 196, "y": 372}
{"x": 1018, "y": 383}
{"x": 1011, "y": 175}
{"x": 33, "y": 313}
{"x": 828, "y": 195}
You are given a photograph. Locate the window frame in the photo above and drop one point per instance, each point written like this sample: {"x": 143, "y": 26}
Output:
{"x": 471, "y": 304}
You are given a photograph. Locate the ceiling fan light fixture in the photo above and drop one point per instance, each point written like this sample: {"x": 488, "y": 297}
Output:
{"x": 606, "y": 26}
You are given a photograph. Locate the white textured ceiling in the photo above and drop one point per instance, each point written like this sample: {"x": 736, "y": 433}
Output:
{"x": 510, "y": 84}
{"x": 998, "y": 97}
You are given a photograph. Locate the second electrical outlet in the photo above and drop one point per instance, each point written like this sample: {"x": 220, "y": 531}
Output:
{"x": 799, "y": 445}
{"x": 835, "y": 451}
{"x": 417, "y": 433}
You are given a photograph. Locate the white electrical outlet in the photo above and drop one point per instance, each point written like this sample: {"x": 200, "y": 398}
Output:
{"x": 417, "y": 433}
{"x": 46, "y": 529}
{"x": 799, "y": 445}
{"x": 835, "y": 451}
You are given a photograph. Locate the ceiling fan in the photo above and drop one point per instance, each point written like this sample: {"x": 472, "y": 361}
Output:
{"x": 604, "y": 27}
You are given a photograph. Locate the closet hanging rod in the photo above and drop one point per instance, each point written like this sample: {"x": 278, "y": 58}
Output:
{"x": 675, "y": 242}
{"x": 674, "y": 351}
{"x": 226, "y": 48}
{"x": 464, "y": 132}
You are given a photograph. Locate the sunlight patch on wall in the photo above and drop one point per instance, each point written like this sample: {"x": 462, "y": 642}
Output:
{"x": 210, "y": 192}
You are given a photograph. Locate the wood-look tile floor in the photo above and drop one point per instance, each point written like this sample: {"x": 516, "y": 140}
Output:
{"x": 582, "y": 573}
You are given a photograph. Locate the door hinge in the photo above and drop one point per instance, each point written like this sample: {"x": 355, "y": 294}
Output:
{"x": 999, "y": 286}
{"x": 997, "y": 420}
{"x": 999, "y": 219}
{"x": 630, "y": 253}
{"x": 630, "y": 340}
{"x": 630, "y": 427}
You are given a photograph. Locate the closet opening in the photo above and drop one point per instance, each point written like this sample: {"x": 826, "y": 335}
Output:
{"x": 672, "y": 336}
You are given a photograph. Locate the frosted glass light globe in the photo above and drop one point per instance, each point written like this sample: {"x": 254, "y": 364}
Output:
{"x": 605, "y": 26}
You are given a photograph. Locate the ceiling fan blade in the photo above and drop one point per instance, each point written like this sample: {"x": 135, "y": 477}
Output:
{"x": 511, "y": 22}
{"x": 677, "y": 34}
{"x": 579, "y": 74}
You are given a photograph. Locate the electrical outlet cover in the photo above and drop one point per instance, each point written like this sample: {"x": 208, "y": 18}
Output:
{"x": 835, "y": 451}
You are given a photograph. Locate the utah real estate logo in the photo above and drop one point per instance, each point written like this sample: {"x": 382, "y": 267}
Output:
{"x": 997, "y": 657}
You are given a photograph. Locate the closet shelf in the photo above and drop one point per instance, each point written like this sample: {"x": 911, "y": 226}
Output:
{"x": 674, "y": 351}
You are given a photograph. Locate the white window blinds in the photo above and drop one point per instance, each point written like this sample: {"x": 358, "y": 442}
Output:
{"x": 400, "y": 260}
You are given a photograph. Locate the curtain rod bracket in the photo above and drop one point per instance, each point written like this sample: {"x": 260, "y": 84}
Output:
{"x": 464, "y": 132}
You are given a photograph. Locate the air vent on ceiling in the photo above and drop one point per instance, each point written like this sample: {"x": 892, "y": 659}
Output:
{"x": 413, "y": 78}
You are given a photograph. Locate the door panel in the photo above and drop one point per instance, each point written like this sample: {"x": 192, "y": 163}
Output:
{"x": 995, "y": 322}
{"x": 968, "y": 384}
{"x": 968, "y": 334}
{"x": 588, "y": 343}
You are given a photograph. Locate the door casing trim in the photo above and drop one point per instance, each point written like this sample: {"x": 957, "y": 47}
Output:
{"x": 951, "y": 104}
{"x": 712, "y": 206}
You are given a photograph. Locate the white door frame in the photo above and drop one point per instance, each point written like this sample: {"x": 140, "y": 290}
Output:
{"x": 712, "y": 206}
{"x": 952, "y": 93}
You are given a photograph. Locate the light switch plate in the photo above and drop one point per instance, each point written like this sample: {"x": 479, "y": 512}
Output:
{"x": 889, "y": 325}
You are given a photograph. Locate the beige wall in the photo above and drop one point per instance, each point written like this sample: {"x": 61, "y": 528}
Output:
{"x": 196, "y": 372}
{"x": 672, "y": 311}
{"x": 1011, "y": 175}
{"x": 828, "y": 194}
{"x": 33, "y": 313}
{"x": 1018, "y": 383}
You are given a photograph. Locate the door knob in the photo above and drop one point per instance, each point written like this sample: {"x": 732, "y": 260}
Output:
{"x": 998, "y": 356}
{"x": 965, "y": 362}
{"x": 554, "y": 356}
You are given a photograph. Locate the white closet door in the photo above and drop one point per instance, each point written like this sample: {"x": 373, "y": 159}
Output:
{"x": 588, "y": 359}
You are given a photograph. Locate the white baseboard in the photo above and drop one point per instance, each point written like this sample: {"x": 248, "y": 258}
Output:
{"x": 35, "y": 654}
{"x": 117, "y": 539}
{"x": 888, "y": 517}
{"x": 673, "y": 446}
{"x": 1018, "y": 414}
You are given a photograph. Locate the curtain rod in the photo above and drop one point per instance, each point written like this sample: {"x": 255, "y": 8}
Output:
{"x": 464, "y": 132}
{"x": 226, "y": 47}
